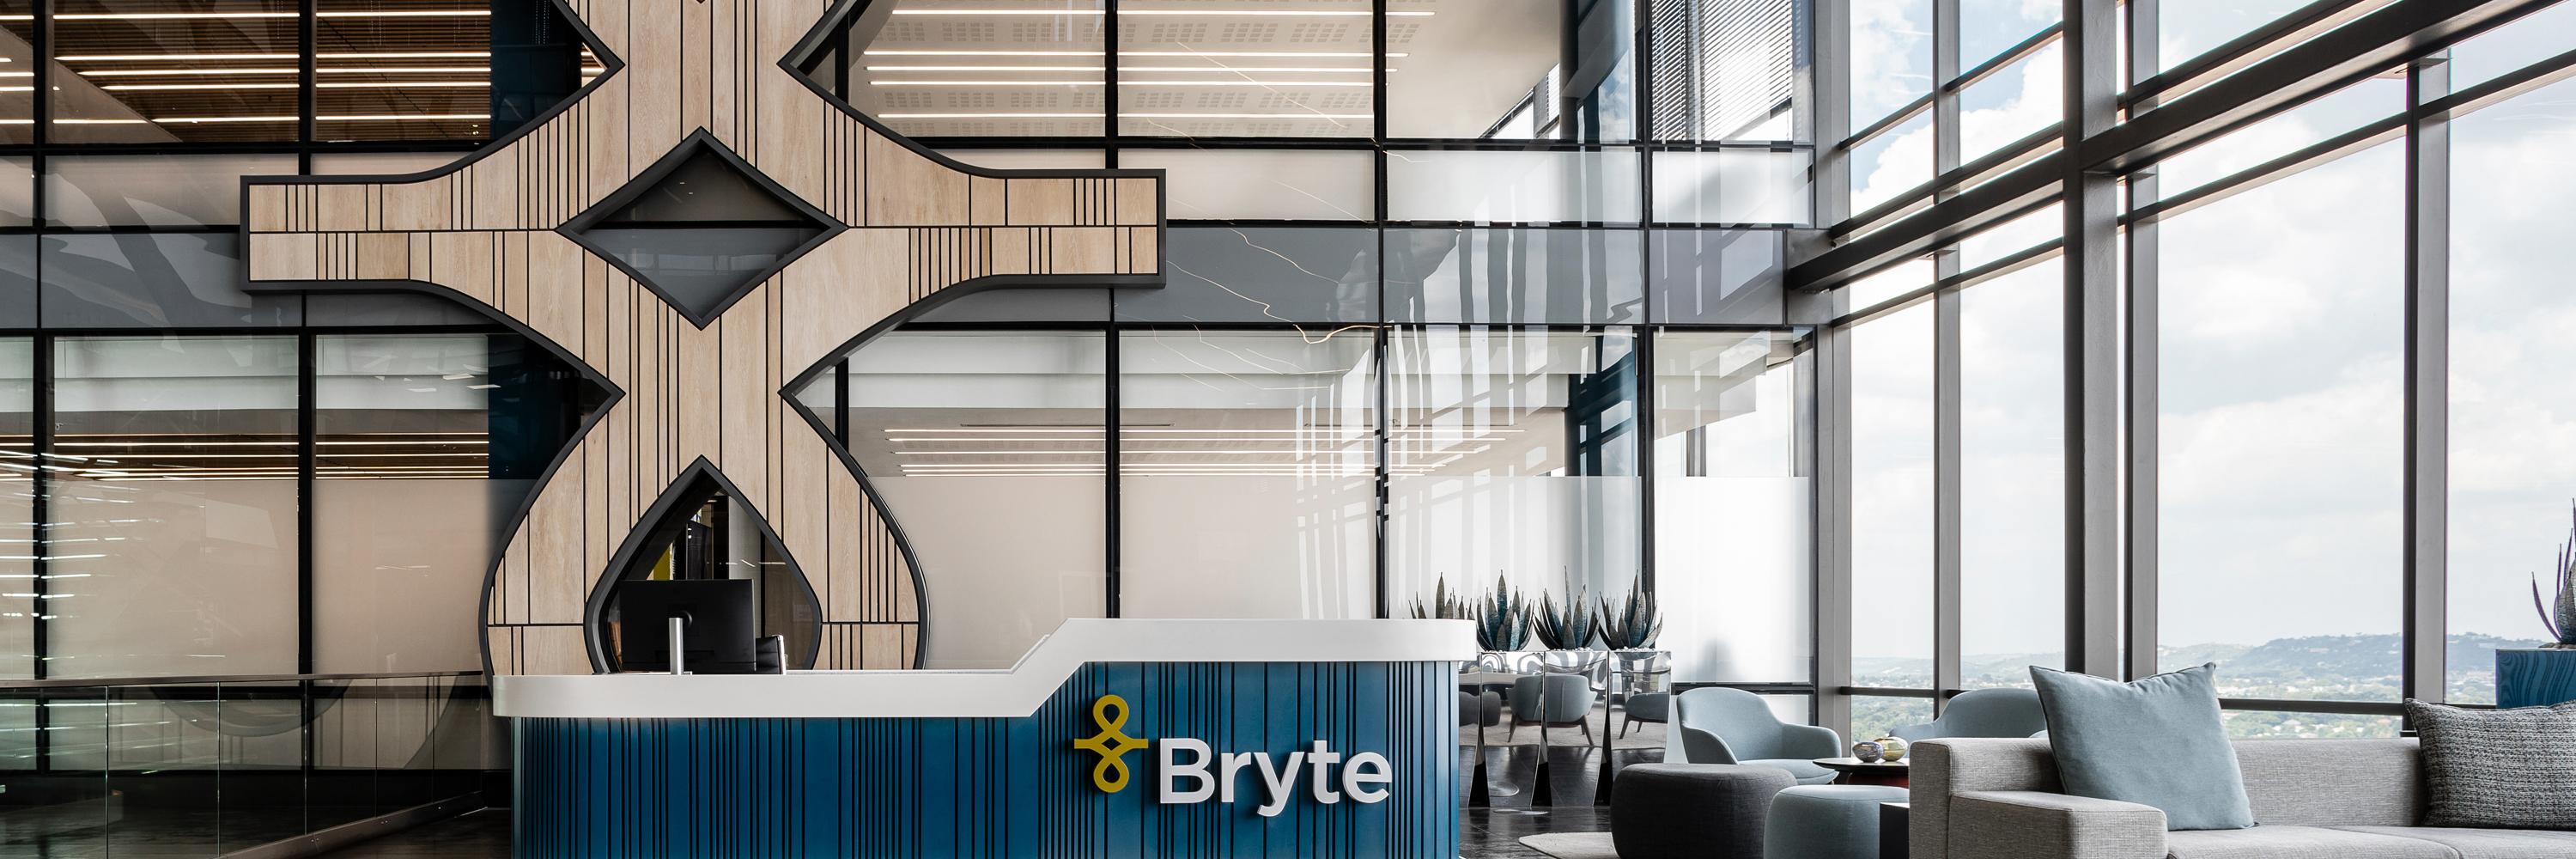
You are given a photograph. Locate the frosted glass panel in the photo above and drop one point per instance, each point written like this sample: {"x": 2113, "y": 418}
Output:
{"x": 1732, "y": 186}
{"x": 1731, "y": 509}
{"x": 1306, "y": 186}
{"x": 1512, "y": 187}
{"x": 986, "y": 447}
{"x": 1282, "y": 427}
{"x": 1513, "y": 453}
{"x": 175, "y": 537}
{"x": 17, "y": 515}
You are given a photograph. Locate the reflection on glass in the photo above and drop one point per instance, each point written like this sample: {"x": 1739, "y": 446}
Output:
{"x": 260, "y": 763}
{"x": 1892, "y": 500}
{"x": 17, "y": 188}
{"x": 151, "y": 281}
{"x": 173, "y": 544}
{"x": 2280, "y": 445}
{"x": 152, "y": 190}
{"x": 1506, "y": 275}
{"x": 162, "y": 755}
{"x": 1891, "y": 57}
{"x": 987, "y": 447}
{"x": 17, "y": 516}
{"x": 1320, "y": 275}
{"x": 2015, "y": 102}
{"x": 982, "y": 68}
{"x": 1727, "y": 69}
{"x": 1731, "y": 508}
{"x": 159, "y": 71}
{"x": 17, "y": 71}
{"x": 425, "y": 445}
{"x": 1222, "y": 68}
{"x": 2511, "y": 400}
{"x": 2012, "y": 490}
{"x": 1283, "y": 185}
{"x": 1512, "y": 453}
{"x": 1716, "y": 276}
{"x": 1513, "y": 187}
{"x": 1282, "y": 426}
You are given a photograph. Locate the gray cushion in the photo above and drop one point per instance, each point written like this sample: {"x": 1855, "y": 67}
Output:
{"x": 2156, "y": 741}
{"x": 2498, "y": 768}
{"x": 2376, "y": 782}
{"x": 1826, "y": 821}
{"x": 1805, "y": 771}
{"x": 2486, "y": 843}
{"x": 1673, "y": 811}
{"x": 2298, "y": 842}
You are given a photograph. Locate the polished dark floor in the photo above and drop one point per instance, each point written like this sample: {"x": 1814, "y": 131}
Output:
{"x": 480, "y": 834}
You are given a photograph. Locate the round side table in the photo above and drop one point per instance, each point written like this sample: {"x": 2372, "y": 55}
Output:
{"x": 1857, "y": 771}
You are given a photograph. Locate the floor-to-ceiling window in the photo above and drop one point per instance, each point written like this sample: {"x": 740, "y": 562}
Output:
{"x": 2307, "y": 337}
{"x": 2511, "y": 430}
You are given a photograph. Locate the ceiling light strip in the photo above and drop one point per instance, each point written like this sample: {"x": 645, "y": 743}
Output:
{"x": 1331, "y": 116}
{"x": 1129, "y": 83}
{"x": 905, "y": 52}
{"x": 1215, "y": 12}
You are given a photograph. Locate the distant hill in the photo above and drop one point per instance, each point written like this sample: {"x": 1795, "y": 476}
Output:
{"x": 2283, "y": 666}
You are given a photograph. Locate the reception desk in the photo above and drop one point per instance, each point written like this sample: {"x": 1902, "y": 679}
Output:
{"x": 1110, "y": 738}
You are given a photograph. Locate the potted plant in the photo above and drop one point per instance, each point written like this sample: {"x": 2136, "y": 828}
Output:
{"x": 1502, "y": 619}
{"x": 2536, "y": 676}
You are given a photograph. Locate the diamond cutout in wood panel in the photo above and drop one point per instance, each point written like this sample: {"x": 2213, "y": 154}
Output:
{"x": 701, "y": 228}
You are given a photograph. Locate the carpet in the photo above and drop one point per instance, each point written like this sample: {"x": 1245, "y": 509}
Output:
{"x": 1572, "y": 845}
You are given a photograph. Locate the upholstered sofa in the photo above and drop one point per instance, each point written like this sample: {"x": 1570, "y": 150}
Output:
{"x": 2315, "y": 799}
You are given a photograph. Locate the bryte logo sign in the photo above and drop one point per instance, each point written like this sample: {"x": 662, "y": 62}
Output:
{"x": 1214, "y": 776}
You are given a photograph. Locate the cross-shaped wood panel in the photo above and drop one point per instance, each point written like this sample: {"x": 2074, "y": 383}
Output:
{"x": 921, "y": 228}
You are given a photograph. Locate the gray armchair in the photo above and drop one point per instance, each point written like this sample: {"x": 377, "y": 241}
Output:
{"x": 1986, "y": 713}
{"x": 1479, "y": 708}
{"x": 1656, "y": 707}
{"x": 1732, "y": 726}
{"x": 1565, "y": 703}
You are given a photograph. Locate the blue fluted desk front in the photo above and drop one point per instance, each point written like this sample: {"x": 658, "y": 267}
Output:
{"x": 1230, "y": 738}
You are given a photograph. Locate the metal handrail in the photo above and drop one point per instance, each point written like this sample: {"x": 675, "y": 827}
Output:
{"x": 211, "y": 679}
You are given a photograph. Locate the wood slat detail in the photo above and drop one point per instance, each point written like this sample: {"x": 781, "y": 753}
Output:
{"x": 485, "y": 232}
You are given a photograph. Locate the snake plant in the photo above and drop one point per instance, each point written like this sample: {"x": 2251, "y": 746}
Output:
{"x": 1566, "y": 627}
{"x": 1502, "y": 619}
{"x": 2558, "y": 612}
{"x": 1635, "y": 625}
{"x": 1444, "y": 604}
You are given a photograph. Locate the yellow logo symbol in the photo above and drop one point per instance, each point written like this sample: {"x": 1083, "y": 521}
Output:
{"x": 1110, "y": 774}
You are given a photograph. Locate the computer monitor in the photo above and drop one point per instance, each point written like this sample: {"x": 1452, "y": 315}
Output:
{"x": 723, "y": 625}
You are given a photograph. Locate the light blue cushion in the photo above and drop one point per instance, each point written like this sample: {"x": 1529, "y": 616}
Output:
{"x": 1805, "y": 771}
{"x": 2157, "y": 741}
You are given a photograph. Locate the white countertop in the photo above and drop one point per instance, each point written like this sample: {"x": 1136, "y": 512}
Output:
{"x": 1016, "y": 691}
